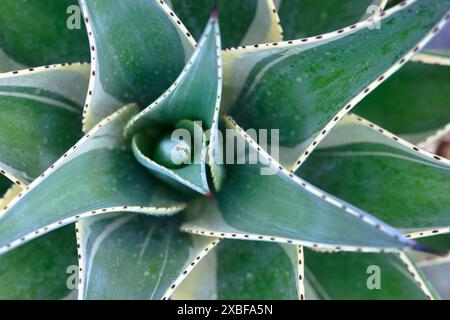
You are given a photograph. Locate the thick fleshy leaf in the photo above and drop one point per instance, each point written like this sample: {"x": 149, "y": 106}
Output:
{"x": 304, "y": 87}
{"x": 135, "y": 56}
{"x": 195, "y": 96}
{"x": 128, "y": 256}
{"x": 246, "y": 270}
{"x": 364, "y": 276}
{"x": 37, "y": 33}
{"x": 243, "y": 22}
{"x": 39, "y": 270}
{"x": 264, "y": 201}
{"x": 304, "y": 18}
{"x": 382, "y": 174}
{"x": 413, "y": 103}
{"x": 40, "y": 114}
{"x": 95, "y": 176}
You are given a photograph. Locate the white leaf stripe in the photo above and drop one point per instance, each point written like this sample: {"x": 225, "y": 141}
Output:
{"x": 45, "y": 100}
{"x": 300, "y": 273}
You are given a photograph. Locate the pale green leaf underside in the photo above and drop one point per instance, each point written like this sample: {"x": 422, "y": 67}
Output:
{"x": 97, "y": 173}
{"x": 304, "y": 18}
{"x": 40, "y": 114}
{"x": 135, "y": 63}
{"x": 299, "y": 88}
{"x": 397, "y": 183}
{"x": 127, "y": 256}
{"x": 39, "y": 269}
{"x": 36, "y": 33}
{"x": 244, "y": 270}
{"x": 243, "y": 22}
{"x": 342, "y": 276}
{"x": 413, "y": 103}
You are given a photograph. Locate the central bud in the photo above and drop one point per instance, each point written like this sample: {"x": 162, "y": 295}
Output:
{"x": 172, "y": 153}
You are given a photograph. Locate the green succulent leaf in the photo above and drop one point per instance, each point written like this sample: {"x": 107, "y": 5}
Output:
{"x": 39, "y": 270}
{"x": 40, "y": 114}
{"x": 95, "y": 176}
{"x": 382, "y": 174}
{"x": 304, "y": 87}
{"x": 304, "y": 18}
{"x": 128, "y": 256}
{"x": 364, "y": 276}
{"x": 37, "y": 33}
{"x": 243, "y": 22}
{"x": 245, "y": 270}
{"x": 134, "y": 56}
{"x": 413, "y": 103}
{"x": 195, "y": 96}
{"x": 264, "y": 201}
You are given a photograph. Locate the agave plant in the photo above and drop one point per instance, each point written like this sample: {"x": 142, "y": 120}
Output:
{"x": 341, "y": 208}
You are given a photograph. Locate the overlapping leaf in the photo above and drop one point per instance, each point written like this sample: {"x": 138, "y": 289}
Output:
{"x": 133, "y": 64}
{"x": 127, "y": 256}
{"x": 304, "y": 87}
{"x": 194, "y": 98}
{"x": 262, "y": 201}
{"x": 377, "y": 171}
{"x": 413, "y": 103}
{"x": 40, "y": 113}
{"x": 95, "y": 176}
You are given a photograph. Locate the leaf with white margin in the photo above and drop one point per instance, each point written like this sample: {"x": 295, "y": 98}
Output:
{"x": 38, "y": 269}
{"x": 244, "y": 270}
{"x": 304, "y": 18}
{"x": 95, "y": 176}
{"x": 243, "y": 22}
{"x": 36, "y": 33}
{"x": 375, "y": 170}
{"x": 135, "y": 56}
{"x": 414, "y": 103}
{"x": 195, "y": 96}
{"x": 303, "y": 87}
{"x": 40, "y": 114}
{"x": 130, "y": 256}
{"x": 365, "y": 276}
{"x": 264, "y": 201}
